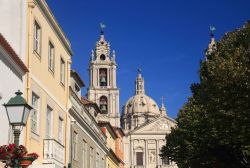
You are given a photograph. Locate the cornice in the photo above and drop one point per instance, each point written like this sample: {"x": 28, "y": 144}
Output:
{"x": 53, "y": 22}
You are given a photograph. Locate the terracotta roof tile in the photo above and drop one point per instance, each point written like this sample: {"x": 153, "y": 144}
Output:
{"x": 4, "y": 43}
{"x": 85, "y": 101}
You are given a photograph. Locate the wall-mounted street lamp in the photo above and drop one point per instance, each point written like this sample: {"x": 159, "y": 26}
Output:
{"x": 18, "y": 112}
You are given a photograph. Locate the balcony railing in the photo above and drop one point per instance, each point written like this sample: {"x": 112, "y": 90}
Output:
{"x": 53, "y": 151}
{"x": 139, "y": 166}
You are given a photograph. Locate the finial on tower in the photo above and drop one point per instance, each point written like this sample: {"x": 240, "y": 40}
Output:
{"x": 113, "y": 55}
{"x": 162, "y": 100}
{"x": 212, "y": 45}
{"x": 92, "y": 55}
{"x": 102, "y": 27}
{"x": 139, "y": 83}
{"x": 212, "y": 30}
{"x": 139, "y": 70}
{"x": 163, "y": 108}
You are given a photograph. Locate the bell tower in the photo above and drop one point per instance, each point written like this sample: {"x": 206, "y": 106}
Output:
{"x": 102, "y": 83}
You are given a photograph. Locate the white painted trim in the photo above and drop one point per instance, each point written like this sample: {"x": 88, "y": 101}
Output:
{"x": 48, "y": 92}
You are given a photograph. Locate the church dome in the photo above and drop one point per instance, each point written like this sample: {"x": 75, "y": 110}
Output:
{"x": 140, "y": 108}
{"x": 141, "y": 103}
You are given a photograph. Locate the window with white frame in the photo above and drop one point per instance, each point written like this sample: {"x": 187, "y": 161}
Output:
{"x": 97, "y": 158}
{"x": 60, "y": 130}
{"x": 84, "y": 154}
{"x": 62, "y": 71}
{"x": 37, "y": 37}
{"x": 51, "y": 56}
{"x": 91, "y": 150}
{"x": 49, "y": 122}
{"x": 35, "y": 113}
{"x": 74, "y": 145}
{"x": 139, "y": 158}
{"x": 102, "y": 163}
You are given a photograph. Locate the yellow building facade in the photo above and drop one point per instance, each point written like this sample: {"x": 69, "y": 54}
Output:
{"x": 48, "y": 59}
{"x": 112, "y": 161}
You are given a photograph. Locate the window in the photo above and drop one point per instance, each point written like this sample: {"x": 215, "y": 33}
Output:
{"x": 74, "y": 146}
{"x": 51, "y": 57}
{"x": 97, "y": 158}
{"x": 34, "y": 115}
{"x": 104, "y": 104}
{"x": 91, "y": 150}
{"x": 103, "y": 57}
{"x": 77, "y": 88}
{"x": 60, "y": 130}
{"x": 84, "y": 155}
{"x": 62, "y": 72}
{"x": 49, "y": 123}
{"x": 165, "y": 161}
{"x": 102, "y": 163}
{"x": 139, "y": 158}
{"x": 37, "y": 37}
{"x": 103, "y": 77}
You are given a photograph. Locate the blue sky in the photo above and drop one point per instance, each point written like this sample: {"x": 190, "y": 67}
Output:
{"x": 165, "y": 38}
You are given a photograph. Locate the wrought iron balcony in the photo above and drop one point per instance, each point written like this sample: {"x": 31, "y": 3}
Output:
{"x": 53, "y": 152}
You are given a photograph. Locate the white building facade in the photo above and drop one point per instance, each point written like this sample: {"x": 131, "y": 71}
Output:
{"x": 12, "y": 55}
{"x": 87, "y": 142}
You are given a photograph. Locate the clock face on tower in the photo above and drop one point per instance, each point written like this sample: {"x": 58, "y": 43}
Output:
{"x": 103, "y": 57}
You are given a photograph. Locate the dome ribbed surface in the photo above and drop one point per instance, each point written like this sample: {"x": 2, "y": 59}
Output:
{"x": 141, "y": 104}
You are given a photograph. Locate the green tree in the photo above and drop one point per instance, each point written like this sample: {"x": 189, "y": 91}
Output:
{"x": 213, "y": 127}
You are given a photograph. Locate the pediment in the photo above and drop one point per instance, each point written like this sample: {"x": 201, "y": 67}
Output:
{"x": 161, "y": 125}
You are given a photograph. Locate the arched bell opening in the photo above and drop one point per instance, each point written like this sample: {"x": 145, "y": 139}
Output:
{"x": 103, "y": 77}
{"x": 104, "y": 104}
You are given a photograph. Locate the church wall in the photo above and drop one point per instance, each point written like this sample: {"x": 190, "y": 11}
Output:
{"x": 150, "y": 145}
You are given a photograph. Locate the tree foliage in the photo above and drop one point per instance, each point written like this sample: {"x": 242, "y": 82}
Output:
{"x": 213, "y": 127}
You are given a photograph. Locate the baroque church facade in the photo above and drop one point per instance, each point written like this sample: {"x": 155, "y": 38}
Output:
{"x": 145, "y": 124}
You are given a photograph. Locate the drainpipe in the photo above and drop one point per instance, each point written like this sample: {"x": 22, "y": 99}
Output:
{"x": 68, "y": 119}
{"x": 31, "y": 5}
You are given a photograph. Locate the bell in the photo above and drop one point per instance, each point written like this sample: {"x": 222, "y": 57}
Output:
{"x": 103, "y": 79}
{"x": 103, "y": 108}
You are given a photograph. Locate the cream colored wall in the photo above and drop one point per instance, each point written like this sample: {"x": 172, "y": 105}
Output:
{"x": 35, "y": 141}
{"x": 39, "y": 64}
{"x": 45, "y": 84}
{"x": 110, "y": 141}
{"x": 110, "y": 163}
{"x": 110, "y": 145}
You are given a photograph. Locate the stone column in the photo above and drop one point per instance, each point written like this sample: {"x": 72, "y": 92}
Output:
{"x": 131, "y": 152}
{"x": 132, "y": 122}
{"x": 108, "y": 80}
{"x": 157, "y": 160}
{"x": 97, "y": 76}
{"x": 146, "y": 153}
